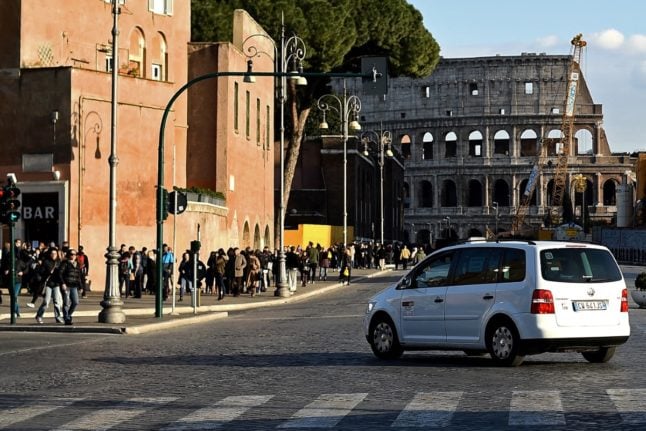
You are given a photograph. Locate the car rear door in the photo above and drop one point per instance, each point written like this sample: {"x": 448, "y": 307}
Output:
{"x": 586, "y": 284}
{"x": 471, "y": 294}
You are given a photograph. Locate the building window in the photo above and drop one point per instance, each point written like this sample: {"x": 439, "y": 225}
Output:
{"x": 556, "y": 111}
{"x": 449, "y": 113}
{"x": 473, "y": 89}
{"x": 529, "y": 88}
{"x": 162, "y": 7}
{"x": 427, "y": 91}
{"x": 247, "y": 127}
{"x": 235, "y": 107}
{"x": 157, "y": 72}
{"x": 501, "y": 111}
{"x": 108, "y": 63}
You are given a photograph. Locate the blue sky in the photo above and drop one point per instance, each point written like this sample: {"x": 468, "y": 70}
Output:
{"x": 614, "y": 62}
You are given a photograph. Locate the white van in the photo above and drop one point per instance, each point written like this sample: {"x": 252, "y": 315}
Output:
{"x": 509, "y": 299}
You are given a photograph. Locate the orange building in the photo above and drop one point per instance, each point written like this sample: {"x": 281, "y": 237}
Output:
{"x": 55, "y": 124}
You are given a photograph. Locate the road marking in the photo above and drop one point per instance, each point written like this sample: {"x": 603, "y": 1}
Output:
{"x": 224, "y": 411}
{"x": 536, "y": 408}
{"x": 325, "y": 412}
{"x": 23, "y": 413}
{"x": 105, "y": 419}
{"x": 630, "y": 403}
{"x": 429, "y": 409}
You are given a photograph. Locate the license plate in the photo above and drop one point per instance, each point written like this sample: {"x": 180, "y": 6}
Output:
{"x": 589, "y": 305}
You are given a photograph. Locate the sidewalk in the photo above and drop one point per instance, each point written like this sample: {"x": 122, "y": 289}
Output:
{"x": 140, "y": 313}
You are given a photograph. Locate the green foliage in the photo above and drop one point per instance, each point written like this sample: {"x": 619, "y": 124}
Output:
{"x": 336, "y": 32}
{"x": 640, "y": 281}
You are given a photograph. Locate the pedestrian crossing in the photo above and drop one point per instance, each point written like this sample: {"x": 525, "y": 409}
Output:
{"x": 517, "y": 409}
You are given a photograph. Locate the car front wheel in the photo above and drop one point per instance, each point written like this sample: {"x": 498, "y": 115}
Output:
{"x": 503, "y": 344}
{"x": 383, "y": 339}
{"x": 604, "y": 354}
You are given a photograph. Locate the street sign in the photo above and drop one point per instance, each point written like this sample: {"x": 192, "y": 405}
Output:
{"x": 177, "y": 201}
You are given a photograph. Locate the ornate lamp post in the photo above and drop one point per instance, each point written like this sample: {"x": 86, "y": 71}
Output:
{"x": 291, "y": 50}
{"x": 112, "y": 312}
{"x": 346, "y": 108}
{"x": 383, "y": 140}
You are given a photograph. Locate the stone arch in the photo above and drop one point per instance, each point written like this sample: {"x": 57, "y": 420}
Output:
{"x": 406, "y": 195}
{"x": 267, "y": 236}
{"x": 427, "y": 142}
{"x": 246, "y": 235}
{"x": 475, "y": 144}
{"x": 583, "y": 139}
{"x": 528, "y": 143}
{"x": 501, "y": 143}
{"x": 405, "y": 145}
{"x": 450, "y": 145}
{"x": 136, "y": 54}
{"x": 159, "y": 57}
{"x": 501, "y": 192}
{"x": 425, "y": 194}
{"x": 610, "y": 192}
{"x": 449, "y": 194}
{"x": 554, "y": 143}
{"x": 474, "y": 196}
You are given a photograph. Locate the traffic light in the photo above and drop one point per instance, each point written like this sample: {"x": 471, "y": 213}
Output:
{"x": 9, "y": 204}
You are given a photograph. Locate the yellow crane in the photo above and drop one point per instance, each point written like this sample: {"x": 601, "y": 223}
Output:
{"x": 560, "y": 174}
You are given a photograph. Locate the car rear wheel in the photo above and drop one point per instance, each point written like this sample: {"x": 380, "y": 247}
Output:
{"x": 383, "y": 339}
{"x": 503, "y": 344}
{"x": 604, "y": 354}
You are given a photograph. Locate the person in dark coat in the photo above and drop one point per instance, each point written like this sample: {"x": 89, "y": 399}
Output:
{"x": 69, "y": 274}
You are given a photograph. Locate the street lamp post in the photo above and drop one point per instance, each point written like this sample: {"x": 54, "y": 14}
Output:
{"x": 447, "y": 219}
{"x": 111, "y": 304}
{"x": 291, "y": 50}
{"x": 495, "y": 206}
{"x": 383, "y": 140}
{"x": 345, "y": 108}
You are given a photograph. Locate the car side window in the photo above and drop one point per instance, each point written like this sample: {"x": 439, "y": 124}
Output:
{"x": 513, "y": 265}
{"x": 434, "y": 272}
{"x": 477, "y": 266}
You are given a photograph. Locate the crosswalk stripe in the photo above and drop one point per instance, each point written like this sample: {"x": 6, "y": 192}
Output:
{"x": 429, "y": 409}
{"x": 23, "y": 413}
{"x": 630, "y": 403}
{"x": 222, "y": 412}
{"x": 325, "y": 412}
{"x": 536, "y": 408}
{"x": 105, "y": 419}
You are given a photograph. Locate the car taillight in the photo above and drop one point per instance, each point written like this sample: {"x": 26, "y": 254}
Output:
{"x": 542, "y": 302}
{"x": 624, "y": 301}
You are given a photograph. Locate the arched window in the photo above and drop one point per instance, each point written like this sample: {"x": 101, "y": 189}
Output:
{"x": 426, "y": 194}
{"x": 256, "y": 238}
{"x": 475, "y": 144}
{"x": 583, "y": 139}
{"x": 428, "y": 146}
{"x": 449, "y": 195}
{"x": 528, "y": 143}
{"x": 554, "y": 142}
{"x": 501, "y": 143}
{"x": 246, "y": 235}
{"x": 501, "y": 193}
{"x": 159, "y": 58}
{"x": 137, "y": 54}
{"x": 450, "y": 145}
{"x": 405, "y": 146}
{"x": 475, "y": 194}
{"x": 610, "y": 192}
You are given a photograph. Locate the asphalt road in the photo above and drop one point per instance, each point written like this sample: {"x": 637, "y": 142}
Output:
{"x": 302, "y": 366}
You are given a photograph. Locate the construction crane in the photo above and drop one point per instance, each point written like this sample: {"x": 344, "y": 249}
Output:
{"x": 560, "y": 174}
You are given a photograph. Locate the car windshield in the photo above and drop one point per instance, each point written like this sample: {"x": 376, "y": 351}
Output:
{"x": 579, "y": 265}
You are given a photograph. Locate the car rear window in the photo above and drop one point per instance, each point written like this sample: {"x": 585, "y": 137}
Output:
{"x": 579, "y": 265}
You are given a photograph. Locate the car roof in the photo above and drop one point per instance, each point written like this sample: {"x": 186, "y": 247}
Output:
{"x": 540, "y": 245}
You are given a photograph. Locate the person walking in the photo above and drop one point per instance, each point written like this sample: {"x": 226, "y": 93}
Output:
{"x": 240, "y": 263}
{"x": 185, "y": 271}
{"x": 404, "y": 257}
{"x": 220, "y": 268}
{"x": 292, "y": 264}
{"x": 254, "y": 273}
{"x": 313, "y": 260}
{"x": 51, "y": 286}
{"x": 70, "y": 277}
{"x": 345, "y": 266}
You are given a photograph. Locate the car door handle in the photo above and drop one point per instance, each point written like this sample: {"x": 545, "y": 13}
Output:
{"x": 408, "y": 303}
{"x": 488, "y": 296}
{"x": 438, "y": 299}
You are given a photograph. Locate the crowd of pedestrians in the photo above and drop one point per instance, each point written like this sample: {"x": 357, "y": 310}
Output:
{"x": 60, "y": 275}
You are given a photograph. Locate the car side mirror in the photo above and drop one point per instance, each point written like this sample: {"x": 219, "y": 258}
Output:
{"x": 405, "y": 283}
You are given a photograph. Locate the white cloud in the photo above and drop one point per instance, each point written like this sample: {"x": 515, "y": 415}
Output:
{"x": 610, "y": 39}
{"x": 637, "y": 42}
